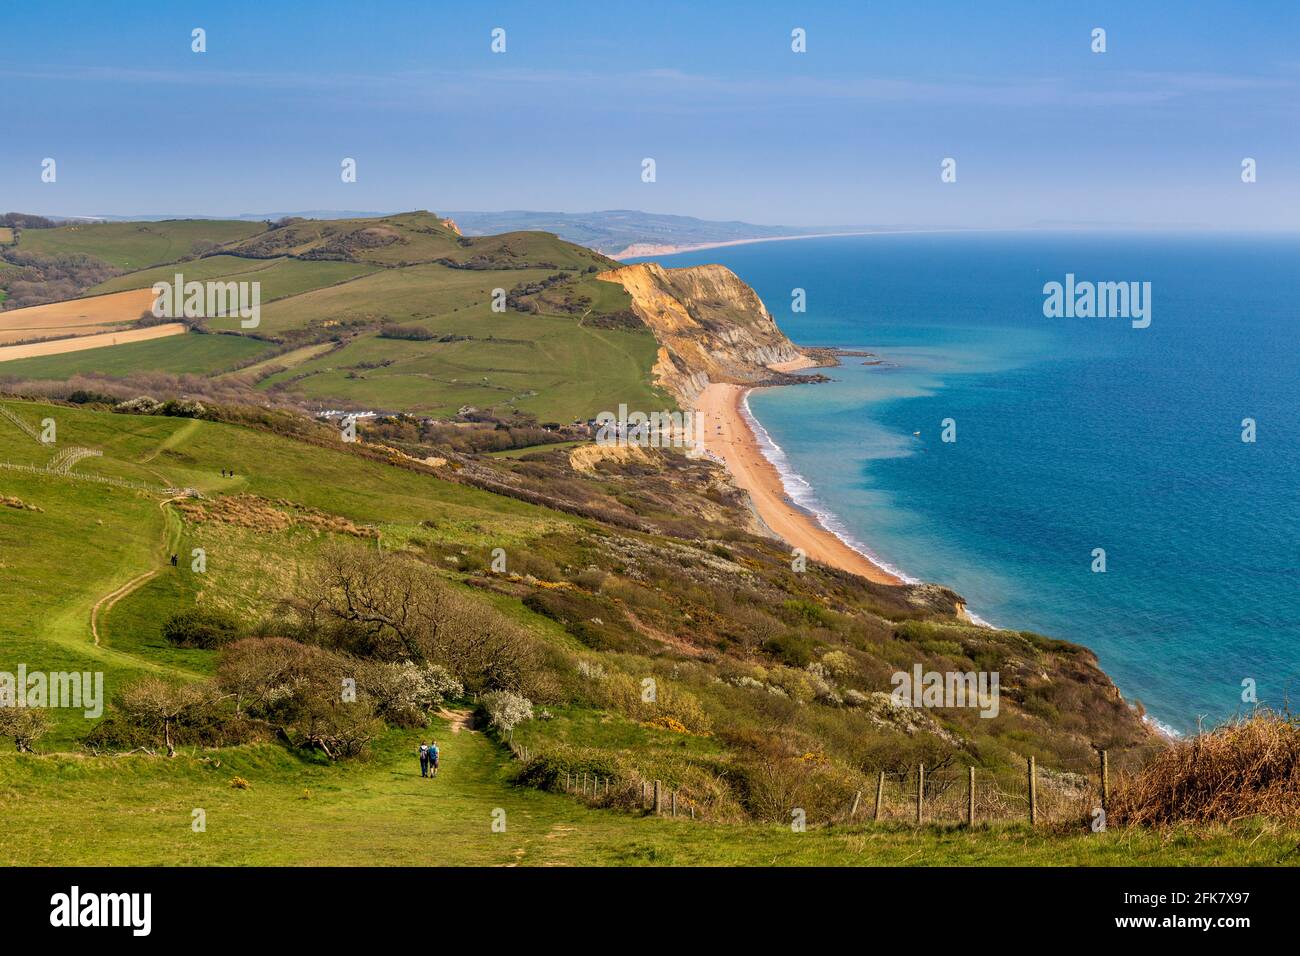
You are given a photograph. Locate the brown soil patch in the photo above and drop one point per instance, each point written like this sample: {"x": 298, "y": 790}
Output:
{"x": 113, "y": 309}
{"x": 82, "y": 341}
{"x": 264, "y": 515}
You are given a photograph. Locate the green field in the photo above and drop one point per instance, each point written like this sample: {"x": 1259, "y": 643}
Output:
{"x": 135, "y": 245}
{"x": 551, "y": 366}
{"x": 188, "y": 354}
{"x": 279, "y": 278}
{"x": 341, "y": 281}
{"x": 398, "y": 295}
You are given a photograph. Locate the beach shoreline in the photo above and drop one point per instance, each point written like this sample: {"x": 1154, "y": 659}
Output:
{"x": 729, "y": 437}
{"x": 642, "y": 250}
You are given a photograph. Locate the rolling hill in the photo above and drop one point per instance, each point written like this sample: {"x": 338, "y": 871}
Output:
{"x": 607, "y": 584}
{"x": 396, "y": 313}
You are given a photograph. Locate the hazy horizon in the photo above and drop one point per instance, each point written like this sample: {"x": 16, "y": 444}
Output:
{"x": 1149, "y": 134}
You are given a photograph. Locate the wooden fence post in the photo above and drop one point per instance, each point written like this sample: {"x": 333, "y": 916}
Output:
{"x": 970, "y": 802}
{"x": 584, "y": 781}
{"x": 1033, "y": 793}
{"x": 674, "y": 803}
{"x": 880, "y": 793}
{"x": 568, "y": 786}
{"x": 857, "y": 798}
{"x": 659, "y": 800}
{"x": 645, "y": 793}
{"x": 607, "y": 786}
{"x": 920, "y": 792}
{"x": 1105, "y": 780}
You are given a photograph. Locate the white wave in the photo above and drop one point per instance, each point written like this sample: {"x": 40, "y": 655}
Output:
{"x": 1161, "y": 727}
{"x": 803, "y": 495}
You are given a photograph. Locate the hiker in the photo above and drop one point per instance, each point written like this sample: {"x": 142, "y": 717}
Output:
{"x": 433, "y": 759}
{"x": 424, "y": 760}
{"x": 173, "y": 560}
{"x": 223, "y": 472}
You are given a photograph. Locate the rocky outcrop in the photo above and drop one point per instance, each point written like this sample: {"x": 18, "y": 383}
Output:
{"x": 711, "y": 326}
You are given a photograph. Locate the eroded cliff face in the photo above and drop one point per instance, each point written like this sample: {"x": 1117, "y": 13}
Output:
{"x": 711, "y": 326}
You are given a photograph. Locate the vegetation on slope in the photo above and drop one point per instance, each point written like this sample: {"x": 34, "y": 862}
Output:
{"x": 409, "y": 313}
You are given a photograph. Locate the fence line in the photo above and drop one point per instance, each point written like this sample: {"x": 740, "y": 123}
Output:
{"x": 21, "y": 423}
{"x": 102, "y": 479}
{"x": 964, "y": 795}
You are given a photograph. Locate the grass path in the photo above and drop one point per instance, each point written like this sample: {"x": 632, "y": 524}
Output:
{"x": 140, "y": 810}
{"x": 170, "y": 535}
{"x": 176, "y": 438}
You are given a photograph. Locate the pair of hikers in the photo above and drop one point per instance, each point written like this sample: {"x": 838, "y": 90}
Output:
{"x": 429, "y": 759}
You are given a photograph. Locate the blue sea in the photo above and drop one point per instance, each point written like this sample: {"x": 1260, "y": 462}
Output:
{"x": 1072, "y": 434}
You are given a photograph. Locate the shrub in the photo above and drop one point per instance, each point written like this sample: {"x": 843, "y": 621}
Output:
{"x": 506, "y": 709}
{"x": 1244, "y": 769}
{"x": 207, "y": 628}
{"x": 408, "y": 694}
{"x": 790, "y": 648}
{"x": 24, "y": 724}
{"x": 156, "y": 707}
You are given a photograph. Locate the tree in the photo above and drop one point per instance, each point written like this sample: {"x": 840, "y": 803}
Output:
{"x": 390, "y": 607}
{"x": 157, "y": 705}
{"x": 506, "y": 709}
{"x": 24, "y": 725}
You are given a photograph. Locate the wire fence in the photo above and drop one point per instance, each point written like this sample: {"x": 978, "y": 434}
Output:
{"x": 101, "y": 479}
{"x": 951, "y": 794}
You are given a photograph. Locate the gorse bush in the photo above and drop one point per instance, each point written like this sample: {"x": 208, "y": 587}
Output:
{"x": 201, "y": 627}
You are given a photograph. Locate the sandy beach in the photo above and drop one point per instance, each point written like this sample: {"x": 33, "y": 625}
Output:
{"x": 728, "y": 436}
{"x": 642, "y": 249}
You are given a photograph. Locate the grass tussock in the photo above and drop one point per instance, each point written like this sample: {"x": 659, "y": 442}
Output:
{"x": 1248, "y": 768}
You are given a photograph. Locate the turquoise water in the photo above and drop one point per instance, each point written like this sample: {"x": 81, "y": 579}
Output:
{"x": 1072, "y": 434}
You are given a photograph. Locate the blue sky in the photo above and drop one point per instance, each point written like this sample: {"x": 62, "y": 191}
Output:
{"x": 852, "y": 132}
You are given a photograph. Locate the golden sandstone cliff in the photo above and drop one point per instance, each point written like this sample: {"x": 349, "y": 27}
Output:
{"x": 711, "y": 326}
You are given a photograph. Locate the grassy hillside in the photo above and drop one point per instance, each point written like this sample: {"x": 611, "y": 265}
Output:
{"x": 279, "y": 278}
{"x": 608, "y": 581}
{"x": 136, "y": 245}
{"x": 137, "y": 811}
{"x": 564, "y": 349}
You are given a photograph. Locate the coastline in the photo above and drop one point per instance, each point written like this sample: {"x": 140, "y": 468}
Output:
{"x": 639, "y": 250}
{"x": 730, "y": 437}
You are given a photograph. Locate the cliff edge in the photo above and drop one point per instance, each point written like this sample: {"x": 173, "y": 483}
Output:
{"x": 711, "y": 326}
